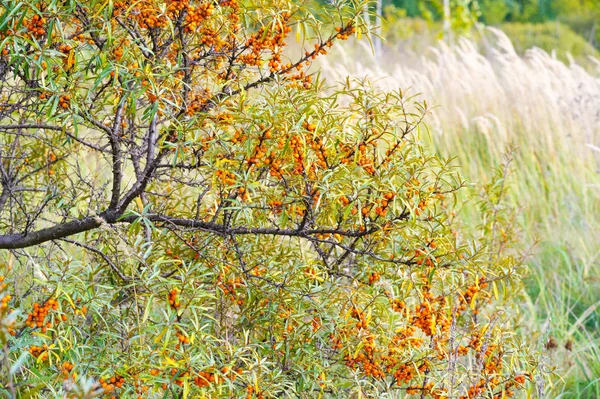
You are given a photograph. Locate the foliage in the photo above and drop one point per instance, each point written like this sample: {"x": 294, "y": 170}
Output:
{"x": 583, "y": 18}
{"x": 398, "y": 27}
{"x": 494, "y": 12}
{"x": 549, "y": 36}
{"x": 185, "y": 212}
{"x": 580, "y": 16}
{"x": 416, "y": 34}
{"x": 463, "y": 13}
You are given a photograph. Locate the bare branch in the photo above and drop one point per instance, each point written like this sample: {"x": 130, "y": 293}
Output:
{"x": 60, "y": 231}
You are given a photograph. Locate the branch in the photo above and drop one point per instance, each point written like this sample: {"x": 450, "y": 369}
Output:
{"x": 4, "y": 197}
{"x": 115, "y": 146}
{"x": 24, "y": 240}
{"x": 242, "y": 230}
{"x": 61, "y": 231}
{"x": 31, "y": 126}
{"x": 152, "y": 130}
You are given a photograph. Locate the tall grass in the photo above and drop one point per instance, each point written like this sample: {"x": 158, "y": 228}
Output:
{"x": 488, "y": 100}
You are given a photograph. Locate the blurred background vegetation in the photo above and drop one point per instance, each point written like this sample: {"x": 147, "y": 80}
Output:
{"x": 565, "y": 26}
{"x": 581, "y": 16}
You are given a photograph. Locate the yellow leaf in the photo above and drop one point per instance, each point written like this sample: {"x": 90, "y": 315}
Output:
{"x": 161, "y": 335}
{"x": 358, "y": 348}
{"x": 171, "y": 362}
{"x": 39, "y": 334}
{"x": 139, "y": 203}
{"x": 70, "y": 301}
{"x": 347, "y": 315}
{"x": 186, "y": 389}
{"x": 473, "y": 301}
{"x": 70, "y": 60}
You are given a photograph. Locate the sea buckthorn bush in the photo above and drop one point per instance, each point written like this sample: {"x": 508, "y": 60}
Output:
{"x": 188, "y": 211}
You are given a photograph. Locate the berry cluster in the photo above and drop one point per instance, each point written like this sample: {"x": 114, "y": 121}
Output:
{"x": 297, "y": 146}
{"x": 65, "y": 101}
{"x": 196, "y": 15}
{"x": 252, "y": 392}
{"x": 36, "y": 25}
{"x": 37, "y": 318}
{"x": 183, "y": 338}
{"x": 39, "y": 352}
{"x": 6, "y": 298}
{"x": 66, "y": 369}
{"x": 373, "y": 278}
{"x": 226, "y": 177}
{"x": 344, "y": 32}
{"x": 110, "y": 384}
{"x": 471, "y": 293}
{"x": 174, "y": 299}
{"x": 230, "y": 287}
{"x": 201, "y": 379}
{"x": 118, "y": 52}
{"x": 266, "y": 39}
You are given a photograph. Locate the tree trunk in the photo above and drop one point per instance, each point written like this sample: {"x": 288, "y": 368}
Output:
{"x": 447, "y": 32}
{"x": 378, "y": 44}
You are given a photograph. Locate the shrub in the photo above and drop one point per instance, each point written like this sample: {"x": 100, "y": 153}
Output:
{"x": 398, "y": 27}
{"x": 549, "y": 36}
{"x": 486, "y": 101}
{"x": 186, "y": 213}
